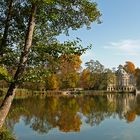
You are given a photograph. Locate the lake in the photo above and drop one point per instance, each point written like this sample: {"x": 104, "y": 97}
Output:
{"x": 96, "y": 117}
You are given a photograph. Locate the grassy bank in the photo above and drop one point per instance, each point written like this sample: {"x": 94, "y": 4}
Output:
{"x": 21, "y": 92}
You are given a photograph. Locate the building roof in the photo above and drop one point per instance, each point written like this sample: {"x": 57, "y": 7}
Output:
{"x": 122, "y": 72}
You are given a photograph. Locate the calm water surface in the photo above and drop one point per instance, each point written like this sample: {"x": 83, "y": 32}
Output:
{"x": 108, "y": 117}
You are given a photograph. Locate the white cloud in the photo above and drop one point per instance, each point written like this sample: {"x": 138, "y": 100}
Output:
{"x": 125, "y": 47}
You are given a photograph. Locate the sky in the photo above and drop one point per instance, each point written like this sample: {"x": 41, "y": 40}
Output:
{"x": 117, "y": 39}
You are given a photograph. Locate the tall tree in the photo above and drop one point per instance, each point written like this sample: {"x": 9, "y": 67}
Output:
{"x": 94, "y": 66}
{"x": 69, "y": 67}
{"x": 51, "y": 18}
{"x": 96, "y": 73}
{"x": 23, "y": 61}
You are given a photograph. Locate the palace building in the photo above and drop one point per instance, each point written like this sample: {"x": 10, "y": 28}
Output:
{"x": 124, "y": 82}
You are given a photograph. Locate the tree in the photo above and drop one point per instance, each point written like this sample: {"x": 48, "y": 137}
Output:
{"x": 69, "y": 67}
{"x": 85, "y": 79}
{"x": 47, "y": 15}
{"x": 96, "y": 73}
{"x": 70, "y": 62}
{"x": 129, "y": 67}
{"x": 12, "y": 30}
{"x": 94, "y": 66}
{"x": 111, "y": 77}
{"x": 52, "y": 82}
{"x": 23, "y": 61}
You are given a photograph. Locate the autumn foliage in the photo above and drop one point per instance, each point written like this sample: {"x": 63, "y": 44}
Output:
{"x": 129, "y": 67}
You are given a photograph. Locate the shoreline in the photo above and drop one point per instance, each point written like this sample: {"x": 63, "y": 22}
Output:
{"x": 26, "y": 92}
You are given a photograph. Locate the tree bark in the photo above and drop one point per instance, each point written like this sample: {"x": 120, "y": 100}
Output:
{"x": 7, "y": 24}
{"x": 5, "y": 107}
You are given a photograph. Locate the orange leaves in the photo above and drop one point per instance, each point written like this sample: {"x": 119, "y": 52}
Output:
{"x": 129, "y": 67}
{"x": 70, "y": 62}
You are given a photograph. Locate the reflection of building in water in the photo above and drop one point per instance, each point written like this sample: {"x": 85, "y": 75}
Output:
{"x": 122, "y": 103}
{"x": 125, "y": 104}
{"x": 123, "y": 82}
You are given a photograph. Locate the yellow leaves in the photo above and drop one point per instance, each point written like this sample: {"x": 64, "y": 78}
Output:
{"x": 70, "y": 62}
{"x": 85, "y": 74}
{"x": 85, "y": 78}
{"x": 52, "y": 82}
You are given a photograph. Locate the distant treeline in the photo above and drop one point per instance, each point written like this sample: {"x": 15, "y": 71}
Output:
{"x": 70, "y": 75}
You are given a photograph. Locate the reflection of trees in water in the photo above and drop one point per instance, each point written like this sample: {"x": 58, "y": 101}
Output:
{"x": 31, "y": 111}
{"x": 65, "y": 113}
{"x": 138, "y": 105}
{"x": 40, "y": 125}
{"x": 95, "y": 109}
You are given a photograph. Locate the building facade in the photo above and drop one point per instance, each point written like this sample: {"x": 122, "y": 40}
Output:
{"x": 124, "y": 82}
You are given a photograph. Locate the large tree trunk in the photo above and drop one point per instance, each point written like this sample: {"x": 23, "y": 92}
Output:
{"x": 4, "y": 109}
{"x": 5, "y": 34}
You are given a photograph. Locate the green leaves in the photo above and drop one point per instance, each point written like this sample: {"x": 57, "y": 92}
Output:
{"x": 43, "y": 1}
{"x": 4, "y": 75}
{"x": 35, "y": 74}
{"x": 53, "y": 17}
{"x": 60, "y": 16}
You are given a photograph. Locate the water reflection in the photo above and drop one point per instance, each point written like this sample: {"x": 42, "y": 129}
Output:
{"x": 69, "y": 113}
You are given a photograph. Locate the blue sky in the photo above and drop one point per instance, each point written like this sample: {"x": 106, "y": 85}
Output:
{"x": 117, "y": 39}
